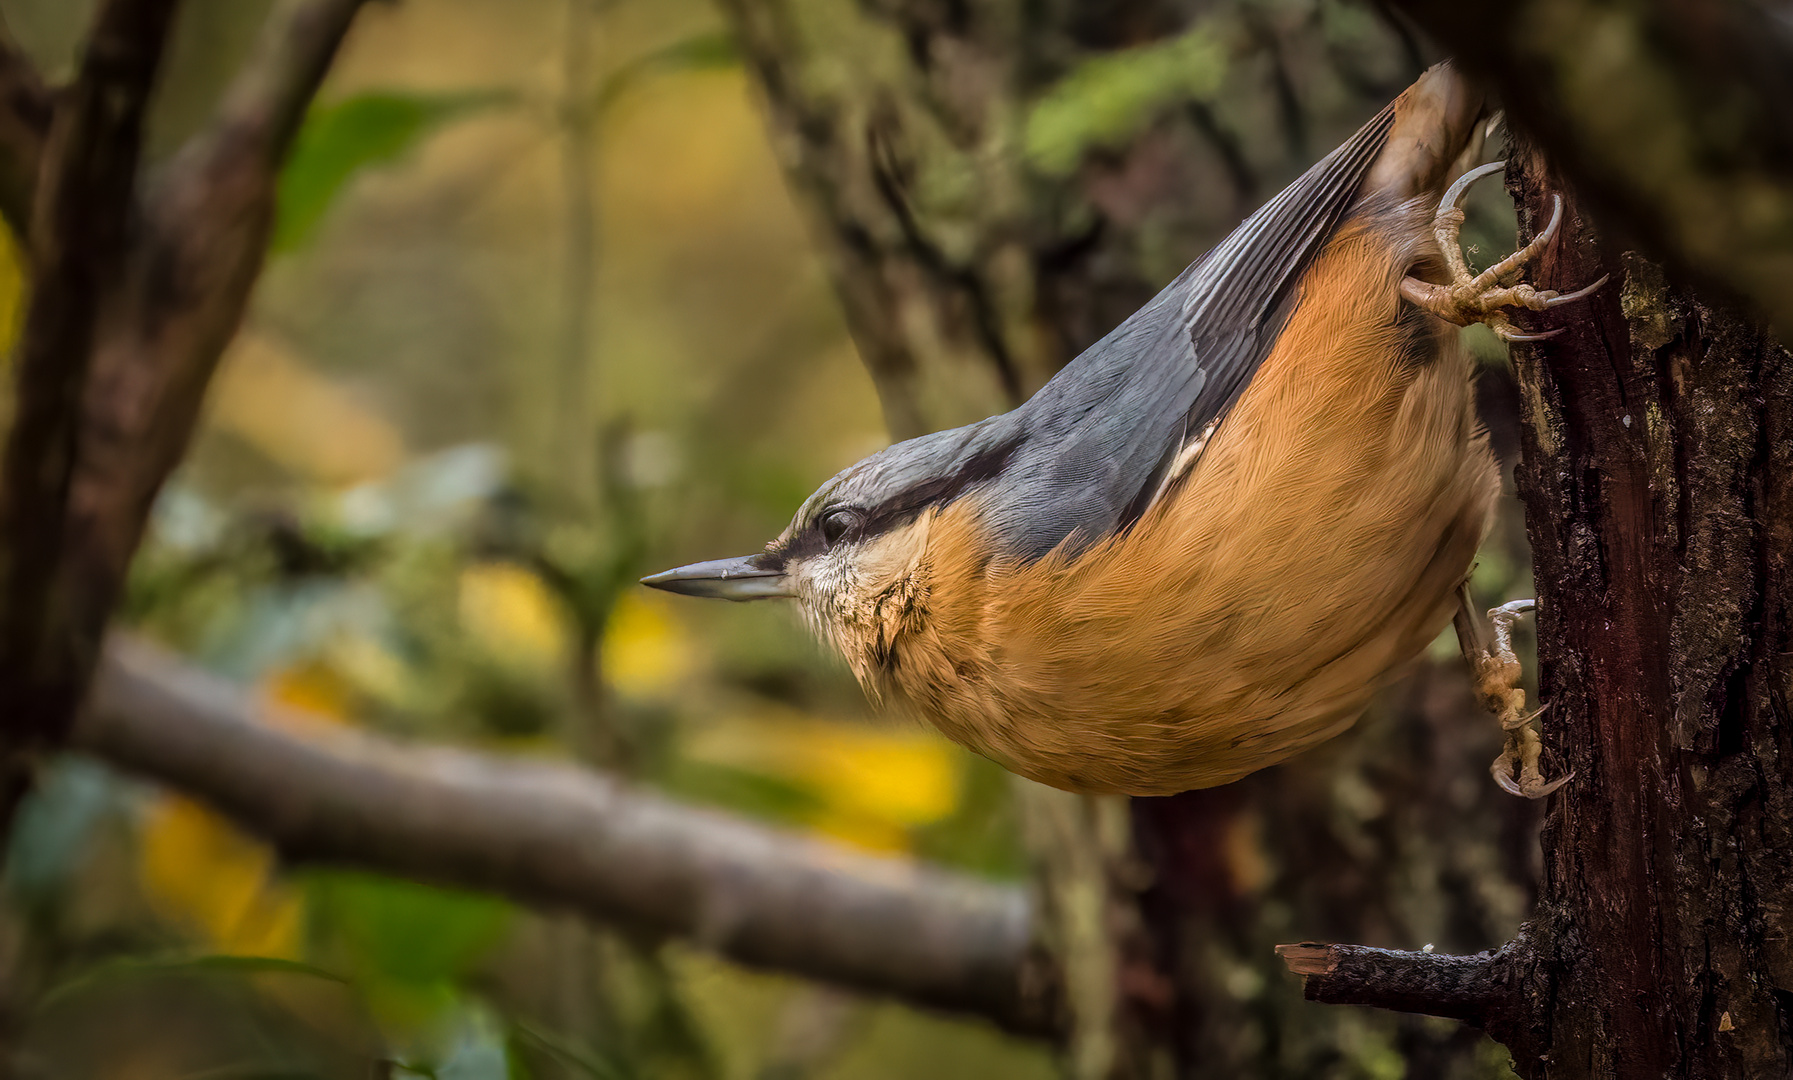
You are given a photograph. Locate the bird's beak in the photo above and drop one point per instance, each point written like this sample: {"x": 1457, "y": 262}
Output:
{"x": 727, "y": 579}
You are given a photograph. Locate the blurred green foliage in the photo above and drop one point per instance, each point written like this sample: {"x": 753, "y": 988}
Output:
{"x": 341, "y": 139}
{"x": 1109, "y": 98}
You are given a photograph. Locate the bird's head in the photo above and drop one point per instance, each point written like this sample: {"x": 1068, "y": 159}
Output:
{"x": 855, "y": 556}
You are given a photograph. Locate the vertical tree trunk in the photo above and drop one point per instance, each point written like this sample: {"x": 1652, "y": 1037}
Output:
{"x": 1658, "y": 484}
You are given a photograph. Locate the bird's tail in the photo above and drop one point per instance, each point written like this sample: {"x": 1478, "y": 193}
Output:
{"x": 1441, "y": 123}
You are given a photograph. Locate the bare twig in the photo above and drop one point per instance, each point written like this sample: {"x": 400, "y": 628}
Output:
{"x": 1468, "y": 988}
{"x": 552, "y": 835}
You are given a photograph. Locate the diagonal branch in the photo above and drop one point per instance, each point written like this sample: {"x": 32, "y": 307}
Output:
{"x": 205, "y": 226}
{"x": 77, "y": 239}
{"x": 267, "y": 103}
{"x": 556, "y": 836}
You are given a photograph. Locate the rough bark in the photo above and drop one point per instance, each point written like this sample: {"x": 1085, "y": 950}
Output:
{"x": 968, "y": 275}
{"x": 1658, "y": 458}
{"x": 1658, "y": 437}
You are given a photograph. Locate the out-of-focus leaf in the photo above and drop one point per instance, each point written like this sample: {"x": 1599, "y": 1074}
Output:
{"x": 299, "y": 417}
{"x": 511, "y": 614}
{"x": 647, "y": 653}
{"x": 741, "y": 790}
{"x": 587, "y": 1061}
{"x": 12, "y": 291}
{"x": 871, "y": 785}
{"x": 699, "y": 52}
{"x": 341, "y": 139}
{"x": 1110, "y": 98}
{"x": 406, "y": 932}
{"x": 202, "y": 873}
{"x": 253, "y": 1071}
{"x": 479, "y": 1050}
{"x": 140, "y": 967}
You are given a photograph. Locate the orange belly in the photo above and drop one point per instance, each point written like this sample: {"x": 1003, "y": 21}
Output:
{"x": 1311, "y": 550}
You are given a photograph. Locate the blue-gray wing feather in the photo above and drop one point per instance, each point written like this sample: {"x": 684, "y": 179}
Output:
{"x": 1086, "y": 453}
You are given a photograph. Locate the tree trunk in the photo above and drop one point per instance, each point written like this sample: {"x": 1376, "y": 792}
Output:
{"x": 1658, "y": 484}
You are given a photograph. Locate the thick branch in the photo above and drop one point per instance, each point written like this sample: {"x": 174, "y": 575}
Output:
{"x": 124, "y": 330}
{"x": 196, "y": 257}
{"x": 78, "y": 239}
{"x": 553, "y": 835}
{"x": 1469, "y": 988}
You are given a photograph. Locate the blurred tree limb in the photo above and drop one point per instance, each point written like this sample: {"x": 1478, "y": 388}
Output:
{"x": 551, "y": 835}
{"x": 25, "y": 108}
{"x": 139, "y": 281}
{"x": 1672, "y": 118}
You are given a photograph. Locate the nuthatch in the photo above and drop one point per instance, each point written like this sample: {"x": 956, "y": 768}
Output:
{"x": 1206, "y": 543}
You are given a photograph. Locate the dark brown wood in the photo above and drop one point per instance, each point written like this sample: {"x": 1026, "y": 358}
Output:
{"x": 78, "y": 240}
{"x": 1658, "y": 485}
{"x": 25, "y": 108}
{"x": 1655, "y": 481}
{"x": 1458, "y": 987}
{"x": 139, "y": 284}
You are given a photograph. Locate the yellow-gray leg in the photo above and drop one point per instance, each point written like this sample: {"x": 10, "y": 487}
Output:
{"x": 1497, "y": 672}
{"x": 1471, "y": 298}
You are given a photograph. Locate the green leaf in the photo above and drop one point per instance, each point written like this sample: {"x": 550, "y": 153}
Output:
{"x": 405, "y": 932}
{"x": 585, "y": 1060}
{"x": 111, "y": 971}
{"x": 1109, "y": 99}
{"x": 700, "y": 52}
{"x": 342, "y": 139}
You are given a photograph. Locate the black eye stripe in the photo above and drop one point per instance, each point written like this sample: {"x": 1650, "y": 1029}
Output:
{"x": 900, "y": 509}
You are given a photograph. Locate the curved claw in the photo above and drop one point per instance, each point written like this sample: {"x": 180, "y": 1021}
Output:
{"x": 1453, "y": 195}
{"x": 1502, "y": 771}
{"x": 1508, "y": 333}
{"x": 1547, "y": 789}
{"x": 1556, "y": 218}
{"x": 1530, "y": 785}
{"x": 1564, "y": 298}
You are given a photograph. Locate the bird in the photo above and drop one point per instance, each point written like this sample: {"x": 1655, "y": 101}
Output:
{"x": 1208, "y": 541}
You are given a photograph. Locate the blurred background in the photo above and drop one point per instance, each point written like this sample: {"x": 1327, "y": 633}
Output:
{"x": 562, "y": 294}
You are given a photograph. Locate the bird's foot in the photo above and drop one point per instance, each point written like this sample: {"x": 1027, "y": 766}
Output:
{"x": 1497, "y": 672}
{"x": 1483, "y": 298}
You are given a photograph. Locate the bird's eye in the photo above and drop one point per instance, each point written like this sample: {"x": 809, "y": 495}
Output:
{"x": 839, "y": 523}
